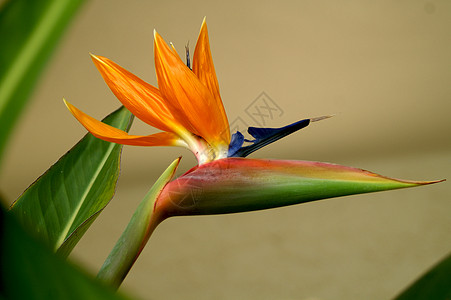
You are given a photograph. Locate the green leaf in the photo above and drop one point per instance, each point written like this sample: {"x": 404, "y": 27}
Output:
{"x": 435, "y": 284}
{"x": 31, "y": 271}
{"x": 137, "y": 233}
{"x": 29, "y": 31}
{"x": 61, "y": 205}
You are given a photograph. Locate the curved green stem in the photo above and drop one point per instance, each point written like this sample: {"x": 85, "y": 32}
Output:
{"x": 132, "y": 241}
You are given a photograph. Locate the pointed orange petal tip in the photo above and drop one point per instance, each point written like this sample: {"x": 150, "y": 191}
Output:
{"x": 173, "y": 48}
{"x": 95, "y": 57}
{"x": 158, "y": 42}
{"x": 99, "y": 60}
{"x": 69, "y": 106}
{"x": 204, "y": 23}
{"x": 83, "y": 118}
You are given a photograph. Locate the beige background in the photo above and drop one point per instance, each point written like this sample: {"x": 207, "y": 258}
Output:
{"x": 382, "y": 67}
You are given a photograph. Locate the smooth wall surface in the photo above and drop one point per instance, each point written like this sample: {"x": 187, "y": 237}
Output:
{"x": 383, "y": 68}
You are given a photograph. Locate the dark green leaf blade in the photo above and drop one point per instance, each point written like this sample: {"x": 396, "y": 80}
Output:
{"x": 30, "y": 271}
{"x": 63, "y": 202}
{"x": 435, "y": 284}
{"x": 29, "y": 31}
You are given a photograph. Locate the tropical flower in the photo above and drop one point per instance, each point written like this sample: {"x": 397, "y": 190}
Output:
{"x": 187, "y": 107}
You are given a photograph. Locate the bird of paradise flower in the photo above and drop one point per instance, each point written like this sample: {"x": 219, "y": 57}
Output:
{"x": 187, "y": 107}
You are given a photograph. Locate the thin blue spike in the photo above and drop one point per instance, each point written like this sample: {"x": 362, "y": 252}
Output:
{"x": 263, "y": 137}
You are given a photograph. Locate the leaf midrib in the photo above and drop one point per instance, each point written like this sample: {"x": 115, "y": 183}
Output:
{"x": 71, "y": 220}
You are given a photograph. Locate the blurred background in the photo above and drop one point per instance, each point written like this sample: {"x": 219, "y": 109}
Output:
{"x": 383, "y": 68}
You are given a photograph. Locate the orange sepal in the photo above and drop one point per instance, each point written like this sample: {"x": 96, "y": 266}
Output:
{"x": 140, "y": 98}
{"x": 191, "y": 100}
{"x": 108, "y": 133}
{"x": 204, "y": 69}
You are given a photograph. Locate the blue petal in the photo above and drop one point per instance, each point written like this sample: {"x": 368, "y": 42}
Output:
{"x": 235, "y": 143}
{"x": 263, "y": 137}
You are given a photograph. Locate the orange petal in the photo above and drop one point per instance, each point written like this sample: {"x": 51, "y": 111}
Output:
{"x": 140, "y": 98}
{"x": 205, "y": 70}
{"x": 190, "y": 99}
{"x": 108, "y": 133}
